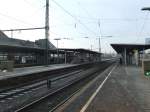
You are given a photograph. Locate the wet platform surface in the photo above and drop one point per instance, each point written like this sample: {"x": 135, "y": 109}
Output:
{"x": 29, "y": 70}
{"x": 126, "y": 90}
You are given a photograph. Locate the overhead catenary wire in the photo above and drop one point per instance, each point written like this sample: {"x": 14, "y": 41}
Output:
{"x": 32, "y": 5}
{"x": 112, "y": 19}
{"x": 144, "y": 23}
{"x": 74, "y": 17}
{"x": 95, "y": 19}
{"x": 15, "y": 19}
{"x": 87, "y": 13}
{"x": 83, "y": 8}
{"x": 37, "y": 9}
{"x": 29, "y": 3}
{"x": 18, "y": 20}
{"x": 22, "y": 29}
{"x": 37, "y": 28}
{"x": 143, "y": 26}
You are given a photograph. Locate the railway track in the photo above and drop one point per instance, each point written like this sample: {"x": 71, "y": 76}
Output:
{"x": 7, "y": 94}
{"x": 19, "y": 98}
{"x": 54, "y": 99}
{"x": 19, "y": 93}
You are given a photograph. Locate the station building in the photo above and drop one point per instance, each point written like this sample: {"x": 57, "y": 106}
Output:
{"x": 28, "y": 53}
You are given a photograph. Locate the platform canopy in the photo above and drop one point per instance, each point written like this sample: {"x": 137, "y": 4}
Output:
{"x": 79, "y": 50}
{"x": 119, "y": 48}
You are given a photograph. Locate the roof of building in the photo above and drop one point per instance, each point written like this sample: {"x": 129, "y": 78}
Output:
{"x": 18, "y": 45}
{"x": 2, "y": 35}
{"x": 129, "y": 47}
{"x": 41, "y": 43}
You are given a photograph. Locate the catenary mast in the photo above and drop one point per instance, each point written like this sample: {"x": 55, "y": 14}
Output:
{"x": 46, "y": 31}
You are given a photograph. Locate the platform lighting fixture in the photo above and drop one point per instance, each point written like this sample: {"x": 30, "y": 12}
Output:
{"x": 146, "y": 73}
{"x": 66, "y": 38}
{"x": 85, "y": 37}
{"x": 99, "y": 41}
{"x": 90, "y": 45}
{"x": 57, "y": 39}
{"x": 107, "y": 36}
{"x": 145, "y": 9}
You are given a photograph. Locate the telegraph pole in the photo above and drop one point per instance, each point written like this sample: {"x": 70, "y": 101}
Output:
{"x": 46, "y": 31}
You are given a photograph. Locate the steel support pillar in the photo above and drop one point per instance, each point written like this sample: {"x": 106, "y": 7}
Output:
{"x": 125, "y": 56}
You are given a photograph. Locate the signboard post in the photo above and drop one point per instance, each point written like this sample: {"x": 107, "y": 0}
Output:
{"x": 146, "y": 67}
{"x": 48, "y": 83}
{"x": 147, "y": 73}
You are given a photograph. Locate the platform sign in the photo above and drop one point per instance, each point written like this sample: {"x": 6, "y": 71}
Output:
{"x": 146, "y": 67}
{"x": 147, "y": 73}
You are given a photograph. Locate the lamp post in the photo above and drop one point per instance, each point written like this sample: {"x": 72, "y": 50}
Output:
{"x": 57, "y": 39}
{"x": 90, "y": 44}
{"x": 145, "y": 9}
{"x": 99, "y": 41}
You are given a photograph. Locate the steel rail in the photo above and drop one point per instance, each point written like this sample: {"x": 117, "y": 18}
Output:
{"x": 68, "y": 98}
{"x": 28, "y": 106}
{"x": 35, "y": 85}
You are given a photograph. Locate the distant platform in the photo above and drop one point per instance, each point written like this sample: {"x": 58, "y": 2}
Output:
{"x": 30, "y": 70}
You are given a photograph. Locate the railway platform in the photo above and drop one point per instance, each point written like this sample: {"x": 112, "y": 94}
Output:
{"x": 21, "y": 76}
{"x": 124, "y": 89}
{"x": 30, "y": 70}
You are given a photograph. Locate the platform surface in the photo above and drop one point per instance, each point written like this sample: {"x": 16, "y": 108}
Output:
{"x": 29, "y": 70}
{"x": 126, "y": 90}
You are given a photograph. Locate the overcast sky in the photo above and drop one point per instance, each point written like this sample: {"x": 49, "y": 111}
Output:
{"x": 122, "y": 19}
